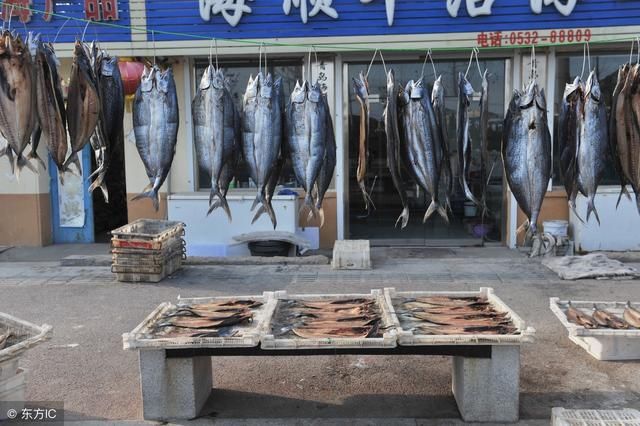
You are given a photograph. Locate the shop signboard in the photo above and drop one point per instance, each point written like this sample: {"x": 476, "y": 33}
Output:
{"x": 64, "y": 21}
{"x": 497, "y": 22}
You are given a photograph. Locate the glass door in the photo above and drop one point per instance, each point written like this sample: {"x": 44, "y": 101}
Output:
{"x": 467, "y": 225}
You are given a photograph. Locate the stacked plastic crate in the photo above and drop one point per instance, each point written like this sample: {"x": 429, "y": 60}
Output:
{"x": 147, "y": 250}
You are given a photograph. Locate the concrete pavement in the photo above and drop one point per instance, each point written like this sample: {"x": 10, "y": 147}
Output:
{"x": 84, "y": 364}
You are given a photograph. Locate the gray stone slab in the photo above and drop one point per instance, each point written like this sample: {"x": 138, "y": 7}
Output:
{"x": 351, "y": 254}
{"x": 488, "y": 390}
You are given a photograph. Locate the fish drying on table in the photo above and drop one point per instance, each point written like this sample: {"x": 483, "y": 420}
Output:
{"x": 353, "y": 318}
{"x": 568, "y": 137}
{"x": 422, "y": 143}
{"x": 109, "y": 134}
{"x": 392, "y": 132}
{"x": 606, "y": 319}
{"x": 4, "y": 339}
{"x": 361, "y": 90}
{"x": 526, "y": 151}
{"x": 580, "y": 318}
{"x": 214, "y": 118}
{"x": 439, "y": 109}
{"x": 261, "y": 135}
{"x": 52, "y": 116}
{"x": 306, "y": 129}
{"x": 593, "y": 143}
{"x": 631, "y": 316}
{"x": 627, "y": 131}
{"x": 328, "y": 164}
{"x": 17, "y": 99}
{"x": 155, "y": 125}
{"x": 465, "y": 90}
{"x": 83, "y": 104}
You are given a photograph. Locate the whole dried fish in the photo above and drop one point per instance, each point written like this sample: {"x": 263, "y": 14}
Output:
{"x": 439, "y": 108}
{"x": 465, "y": 90}
{"x": 328, "y": 165}
{"x": 580, "y": 318}
{"x": 606, "y": 319}
{"x": 453, "y": 330}
{"x": 190, "y": 322}
{"x": 4, "y": 339}
{"x": 333, "y": 332}
{"x": 631, "y": 316}
{"x": 361, "y": 89}
{"x": 568, "y": 137}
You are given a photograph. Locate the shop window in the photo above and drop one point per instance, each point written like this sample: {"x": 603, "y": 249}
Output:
{"x": 237, "y": 76}
{"x": 567, "y": 68}
{"x": 466, "y": 223}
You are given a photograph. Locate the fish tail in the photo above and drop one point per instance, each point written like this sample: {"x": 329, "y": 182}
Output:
{"x": 61, "y": 176}
{"x": 100, "y": 183}
{"x": 572, "y": 206}
{"x": 9, "y": 153}
{"x": 435, "y": 207}
{"x": 220, "y": 202}
{"x": 623, "y": 191}
{"x": 320, "y": 215}
{"x": 638, "y": 201}
{"x": 309, "y": 204}
{"x": 367, "y": 198}
{"x": 256, "y": 202}
{"x": 469, "y": 194}
{"x": 34, "y": 156}
{"x": 524, "y": 227}
{"x": 149, "y": 193}
{"x": 591, "y": 207}
{"x": 22, "y": 162}
{"x": 265, "y": 207}
{"x": 403, "y": 219}
{"x": 73, "y": 159}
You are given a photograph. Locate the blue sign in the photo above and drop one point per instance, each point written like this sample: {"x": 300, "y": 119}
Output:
{"x": 253, "y": 19}
{"x": 48, "y": 17}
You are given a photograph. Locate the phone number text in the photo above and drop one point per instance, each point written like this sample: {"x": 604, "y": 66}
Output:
{"x": 523, "y": 38}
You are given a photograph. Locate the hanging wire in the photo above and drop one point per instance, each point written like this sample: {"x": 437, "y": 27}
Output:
{"x": 10, "y": 17}
{"x": 473, "y": 51}
{"x": 633, "y": 44}
{"x": 260, "y": 58}
{"x": 433, "y": 65}
{"x": 584, "y": 60}
{"x": 375, "y": 52}
{"x": 638, "y": 56}
{"x": 153, "y": 36}
{"x": 215, "y": 41}
{"x": 211, "y": 52}
{"x": 384, "y": 65}
{"x": 84, "y": 31}
{"x": 534, "y": 66}
{"x": 588, "y": 56}
{"x": 60, "y": 29}
{"x": 309, "y": 75}
{"x": 478, "y": 62}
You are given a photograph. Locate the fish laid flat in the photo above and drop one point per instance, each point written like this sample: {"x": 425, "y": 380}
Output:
{"x": 214, "y": 118}
{"x": 526, "y": 151}
{"x": 592, "y": 143}
{"x": 306, "y": 126}
{"x": 155, "y": 124}
{"x": 361, "y": 90}
{"x": 50, "y": 107}
{"x": 17, "y": 99}
{"x": 465, "y": 90}
{"x": 392, "y": 132}
{"x": 83, "y": 104}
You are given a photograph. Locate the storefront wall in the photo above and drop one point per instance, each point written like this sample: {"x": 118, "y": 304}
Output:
{"x": 361, "y": 26}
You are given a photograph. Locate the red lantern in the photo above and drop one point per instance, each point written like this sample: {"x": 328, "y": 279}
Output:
{"x": 131, "y": 72}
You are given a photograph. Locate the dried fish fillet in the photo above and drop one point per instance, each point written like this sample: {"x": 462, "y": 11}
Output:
{"x": 315, "y": 333}
{"x": 631, "y": 316}
{"x": 606, "y": 319}
{"x": 4, "y": 339}
{"x": 577, "y": 317}
{"x": 451, "y": 330}
{"x": 190, "y": 322}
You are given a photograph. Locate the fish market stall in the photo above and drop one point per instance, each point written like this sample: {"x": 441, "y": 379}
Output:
{"x": 608, "y": 331}
{"x": 175, "y": 343}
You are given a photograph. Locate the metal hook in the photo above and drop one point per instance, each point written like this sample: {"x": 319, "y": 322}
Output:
{"x": 584, "y": 59}
{"x": 153, "y": 35}
{"x": 85, "y": 31}
{"x": 534, "y": 70}
{"x": 433, "y": 65}
{"x": 375, "y": 52}
{"x": 215, "y": 40}
{"x": 10, "y": 17}
{"x": 473, "y": 51}
{"x": 384, "y": 65}
{"x": 60, "y": 29}
{"x": 210, "y": 51}
{"x": 426, "y": 57}
{"x": 478, "y": 63}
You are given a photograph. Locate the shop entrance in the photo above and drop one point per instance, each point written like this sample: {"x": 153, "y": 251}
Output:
{"x": 467, "y": 226}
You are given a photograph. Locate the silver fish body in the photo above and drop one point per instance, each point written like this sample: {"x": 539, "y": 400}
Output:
{"x": 526, "y": 151}
{"x": 155, "y": 124}
{"x": 214, "y": 118}
{"x": 328, "y": 164}
{"x": 465, "y": 90}
{"x": 446, "y": 175}
{"x": 568, "y": 136}
{"x": 392, "y": 132}
{"x": 593, "y": 143}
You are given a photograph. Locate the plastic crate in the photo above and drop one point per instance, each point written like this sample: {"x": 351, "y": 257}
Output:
{"x": 388, "y": 339}
{"x": 173, "y": 244}
{"x": 12, "y": 388}
{"x": 604, "y": 344}
{"x": 147, "y": 273}
{"x": 563, "y": 417}
{"x": 142, "y": 338}
{"x": 26, "y": 335}
{"x": 146, "y": 234}
{"x": 148, "y": 259}
{"x": 407, "y": 338}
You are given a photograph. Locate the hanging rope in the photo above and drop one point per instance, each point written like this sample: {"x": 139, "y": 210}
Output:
{"x": 476, "y": 50}
{"x": 433, "y": 65}
{"x": 375, "y": 52}
{"x": 59, "y": 29}
{"x": 384, "y": 65}
{"x": 470, "y": 62}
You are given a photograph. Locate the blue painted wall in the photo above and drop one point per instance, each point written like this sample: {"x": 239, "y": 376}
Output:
{"x": 73, "y": 29}
{"x": 268, "y": 20}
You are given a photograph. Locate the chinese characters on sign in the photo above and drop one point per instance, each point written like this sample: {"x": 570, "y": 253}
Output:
{"x": 101, "y": 10}
{"x": 19, "y": 8}
{"x": 231, "y": 10}
{"x": 483, "y": 7}
{"x": 323, "y": 6}
{"x": 501, "y": 38}
{"x": 390, "y": 6}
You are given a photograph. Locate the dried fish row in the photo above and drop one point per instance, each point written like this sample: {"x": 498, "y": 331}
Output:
{"x": 600, "y": 318}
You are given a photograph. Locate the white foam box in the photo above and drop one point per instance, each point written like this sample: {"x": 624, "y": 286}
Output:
{"x": 408, "y": 338}
{"x": 248, "y": 334}
{"x": 604, "y": 344}
{"x": 563, "y": 417}
{"x": 271, "y": 341}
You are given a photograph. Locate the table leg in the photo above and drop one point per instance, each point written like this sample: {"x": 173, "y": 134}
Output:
{"x": 173, "y": 388}
{"x": 488, "y": 389}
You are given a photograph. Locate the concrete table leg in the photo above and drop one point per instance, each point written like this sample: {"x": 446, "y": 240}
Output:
{"x": 488, "y": 389}
{"x": 173, "y": 388}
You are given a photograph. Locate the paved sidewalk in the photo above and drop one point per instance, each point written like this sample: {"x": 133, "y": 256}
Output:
{"x": 85, "y": 366}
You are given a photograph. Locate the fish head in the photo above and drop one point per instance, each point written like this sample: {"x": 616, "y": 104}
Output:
{"x": 361, "y": 86}
{"x": 404, "y": 96}
{"x": 207, "y": 77}
{"x": 164, "y": 80}
{"x": 252, "y": 88}
{"x": 299, "y": 93}
{"x": 529, "y": 95}
{"x": 33, "y": 41}
{"x": 593, "y": 87}
{"x": 391, "y": 81}
{"x": 146, "y": 81}
{"x": 464, "y": 86}
{"x": 315, "y": 93}
{"x": 485, "y": 80}
{"x": 16, "y": 46}
{"x": 266, "y": 86}
{"x": 109, "y": 65}
{"x": 217, "y": 78}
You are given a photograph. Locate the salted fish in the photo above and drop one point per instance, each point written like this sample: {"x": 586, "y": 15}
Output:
{"x": 465, "y": 91}
{"x": 361, "y": 90}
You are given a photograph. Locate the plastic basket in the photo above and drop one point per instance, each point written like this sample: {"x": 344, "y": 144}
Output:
{"x": 407, "y": 338}
{"x": 564, "y": 417}
{"x": 146, "y": 234}
{"x": 147, "y": 273}
{"x": 388, "y": 339}
{"x": 172, "y": 244}
{"x": 141, "y": 337}
{"x": 26, "y": 335}
{"x": 602, "y": 343}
